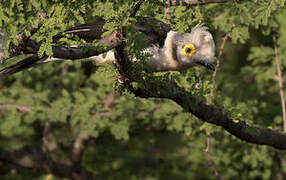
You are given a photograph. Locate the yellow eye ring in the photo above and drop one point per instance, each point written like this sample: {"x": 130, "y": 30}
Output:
{"x": 188, "y": 49}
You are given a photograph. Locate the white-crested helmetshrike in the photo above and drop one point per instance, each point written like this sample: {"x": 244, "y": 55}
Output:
{"x": 180, "y": 51}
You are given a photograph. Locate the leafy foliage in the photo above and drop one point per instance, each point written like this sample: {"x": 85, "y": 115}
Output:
{"x": 145, "y": 138}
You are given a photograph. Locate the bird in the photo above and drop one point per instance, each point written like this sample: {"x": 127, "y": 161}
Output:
{"x": 174, "y": 52}
{"x": 183, "y": 51}
{"x": 179, "y": 51}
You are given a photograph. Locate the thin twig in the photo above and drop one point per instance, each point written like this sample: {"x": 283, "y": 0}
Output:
{"x": 207, "y": 150}
{"x": 223, "y": 41}
{"x": 50, "y": 144}
{"x": 167, "y": 11}
{"x": 2, "y": 44}
{"x": 212, "y": 164}
{"x": 280, "y": 81}
{"x": 20, "y": 108}
{"x": 79, "y": 147}
{"x": 49, "y": 141}
{"x": 194, "y": 2}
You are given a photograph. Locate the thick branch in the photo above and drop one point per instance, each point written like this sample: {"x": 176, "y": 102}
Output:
{"x": 199, "y": 109}
{"x": 216, "y": 116}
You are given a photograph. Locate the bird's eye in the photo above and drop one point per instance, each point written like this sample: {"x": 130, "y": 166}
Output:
{"x": 188, "y": 49}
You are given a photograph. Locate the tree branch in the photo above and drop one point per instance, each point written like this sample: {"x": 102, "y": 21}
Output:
{"x": 167, "y": 11}
{"x": 280, "y": 82}
{"x": 223, "y": 41}
{"x": 207, "y": 150}
{"x": 198, "y": 108}
{"x": 194, "y": 2}
{"x": 213, "y": 115}
{"x": 21, "y": 108}
{"x": 155, "y": 32}
{"x": 63, "y": 52}
{"x": 201, "y": 110}
{"x": 78, "y": 148}
{"x": 2, "y": 44}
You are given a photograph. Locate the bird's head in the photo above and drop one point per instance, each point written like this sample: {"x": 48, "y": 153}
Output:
{"x": 195, "y": 48}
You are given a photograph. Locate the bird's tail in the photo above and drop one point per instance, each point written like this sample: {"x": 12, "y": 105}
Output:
{"x": 26, "y": 63}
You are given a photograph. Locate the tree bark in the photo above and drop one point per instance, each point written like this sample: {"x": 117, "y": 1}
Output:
{"x": 194, "y": 2}
{"x": 2, "y": 44}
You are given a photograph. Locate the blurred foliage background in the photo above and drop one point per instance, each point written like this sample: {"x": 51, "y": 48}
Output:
{"x": 145, "y": 139}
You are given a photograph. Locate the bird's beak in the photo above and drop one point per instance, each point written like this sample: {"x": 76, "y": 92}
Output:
{"x": 207, "y": 65}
